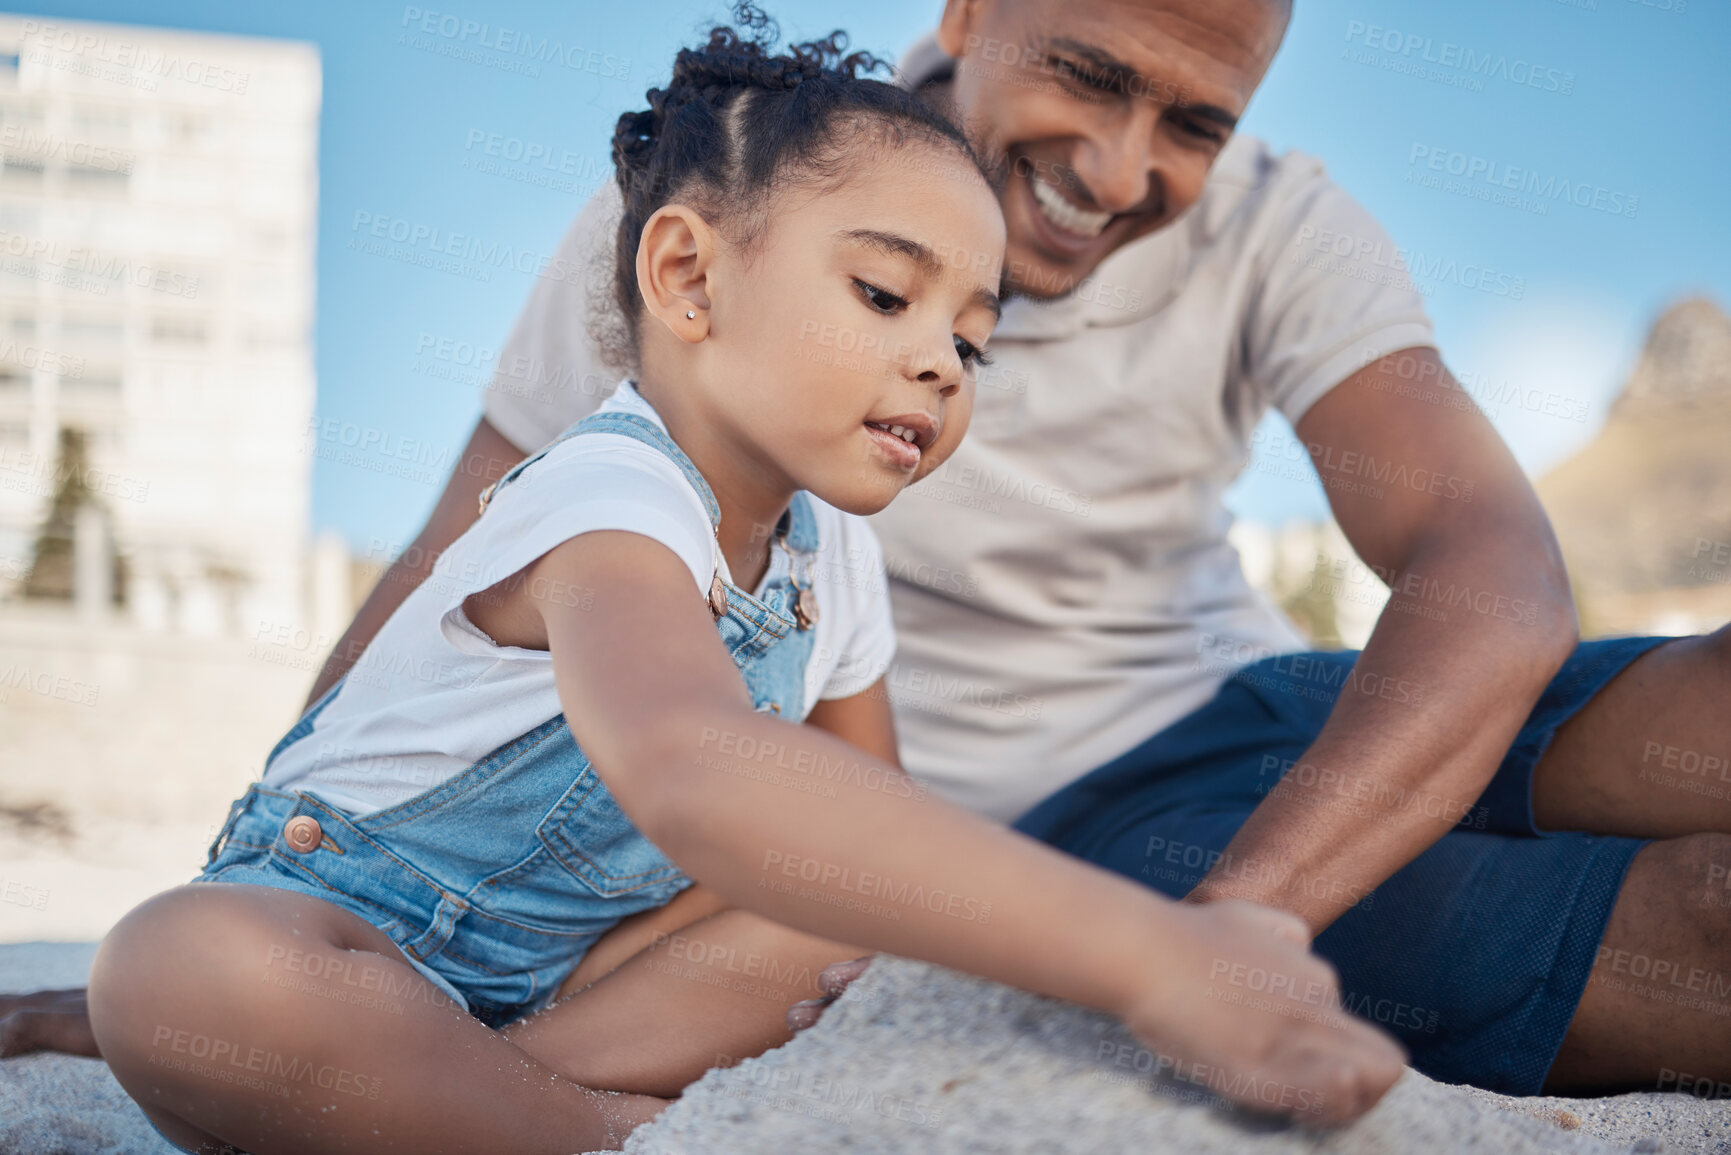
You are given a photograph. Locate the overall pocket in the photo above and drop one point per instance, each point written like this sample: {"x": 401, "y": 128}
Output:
{"x": 588, "y": 835}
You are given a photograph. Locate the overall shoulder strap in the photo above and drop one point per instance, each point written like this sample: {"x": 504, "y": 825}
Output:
{"x": 802, "y": 532}
{"x": 626, "y": 425}
{"x": 646, "y": 431}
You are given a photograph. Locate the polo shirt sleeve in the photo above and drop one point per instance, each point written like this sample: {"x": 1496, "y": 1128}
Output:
{"x": 1334, "y": 295}
{"x": 551, "y": 370}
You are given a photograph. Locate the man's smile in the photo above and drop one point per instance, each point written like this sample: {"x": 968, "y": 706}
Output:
{"x": 1063, "y": 215}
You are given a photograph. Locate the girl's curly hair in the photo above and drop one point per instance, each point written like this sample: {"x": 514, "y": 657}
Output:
{"x": 738, "y": 121}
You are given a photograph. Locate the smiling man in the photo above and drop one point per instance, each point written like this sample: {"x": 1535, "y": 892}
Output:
{"x": 1081, "y": 653}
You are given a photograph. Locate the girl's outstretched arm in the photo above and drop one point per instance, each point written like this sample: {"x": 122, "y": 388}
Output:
{"x": 660, "y": 708}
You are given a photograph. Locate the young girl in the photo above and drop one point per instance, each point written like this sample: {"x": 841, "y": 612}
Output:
{"x": 598, "y": 700}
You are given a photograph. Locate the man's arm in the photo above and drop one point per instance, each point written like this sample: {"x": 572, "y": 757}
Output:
{"x": 484, "y": 460}
{"x": 1479, "y": 620}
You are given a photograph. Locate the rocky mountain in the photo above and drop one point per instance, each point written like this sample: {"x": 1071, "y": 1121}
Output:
{"x": 1646, "y": 507}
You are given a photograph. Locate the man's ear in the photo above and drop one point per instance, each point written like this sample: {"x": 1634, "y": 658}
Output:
{"x": 958, "y": 23}
{"x": 675, "y": 256}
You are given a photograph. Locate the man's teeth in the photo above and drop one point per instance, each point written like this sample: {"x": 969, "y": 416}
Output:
{"x": 900, "y": 431}
{"x": 1064, "y": 214}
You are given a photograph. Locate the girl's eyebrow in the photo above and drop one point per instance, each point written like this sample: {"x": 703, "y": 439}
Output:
{"x": 896, "y": 245}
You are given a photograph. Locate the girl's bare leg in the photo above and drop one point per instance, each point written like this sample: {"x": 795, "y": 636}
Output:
{"x": 221, "y": 1011}
{"x": 703, "y": 995}
{"x": 59, "y": 1020}
{"x": 645, "y": 929}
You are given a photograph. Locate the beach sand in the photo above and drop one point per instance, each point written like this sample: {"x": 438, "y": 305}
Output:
{"x": 916, "y": 1058}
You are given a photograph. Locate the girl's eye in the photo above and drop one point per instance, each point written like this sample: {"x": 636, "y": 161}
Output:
{"x": 970, "y": 352}
{"x": 882, "y": 300}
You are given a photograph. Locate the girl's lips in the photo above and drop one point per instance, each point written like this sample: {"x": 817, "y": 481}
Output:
{"x": 903, "y": 454}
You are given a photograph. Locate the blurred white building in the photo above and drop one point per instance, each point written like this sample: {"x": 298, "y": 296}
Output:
{"x": 158, "y": 198}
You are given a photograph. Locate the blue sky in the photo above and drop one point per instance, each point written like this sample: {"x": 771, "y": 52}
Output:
{"x": 1625, "y": 100}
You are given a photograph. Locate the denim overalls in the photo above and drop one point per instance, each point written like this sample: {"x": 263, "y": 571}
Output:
{"x": 496, "y": 882}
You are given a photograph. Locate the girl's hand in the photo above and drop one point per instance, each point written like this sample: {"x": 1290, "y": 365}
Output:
{"x": 1261, "y": 1026}
{"x": 1243, "y": 1008}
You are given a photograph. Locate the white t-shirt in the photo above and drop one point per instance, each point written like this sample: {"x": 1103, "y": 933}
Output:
{"x": 432, "y": 694}
{"x": 1063, "y": 587}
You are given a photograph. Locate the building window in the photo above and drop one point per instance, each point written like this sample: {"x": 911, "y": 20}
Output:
{"x": 94, "y": 180}
{"x": 94, "y": 388}
{"x": 22, "y": 170}
{"x": 92, "y": 332}
{"x": 179, "y": 329}
{"x": 101, "y": 116}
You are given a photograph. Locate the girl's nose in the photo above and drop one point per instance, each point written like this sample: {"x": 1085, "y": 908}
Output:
{"x": 937, "y": 365}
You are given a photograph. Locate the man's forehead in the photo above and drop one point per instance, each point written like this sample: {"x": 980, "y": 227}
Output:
{"x": 1214, "y": 36}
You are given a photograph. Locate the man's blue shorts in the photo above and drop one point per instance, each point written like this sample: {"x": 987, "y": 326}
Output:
{"x": 1474, "y": 955}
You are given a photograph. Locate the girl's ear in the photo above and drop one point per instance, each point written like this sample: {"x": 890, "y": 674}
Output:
{"x": 674, "y": 260}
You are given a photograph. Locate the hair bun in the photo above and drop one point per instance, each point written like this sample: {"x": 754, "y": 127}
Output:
{"x": 635, "y": 137}
{"x": 794, "y": 72}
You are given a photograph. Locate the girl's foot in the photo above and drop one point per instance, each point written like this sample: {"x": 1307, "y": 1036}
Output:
{"x": 832, "y": 980}
{"x": 46, "y": 1021}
